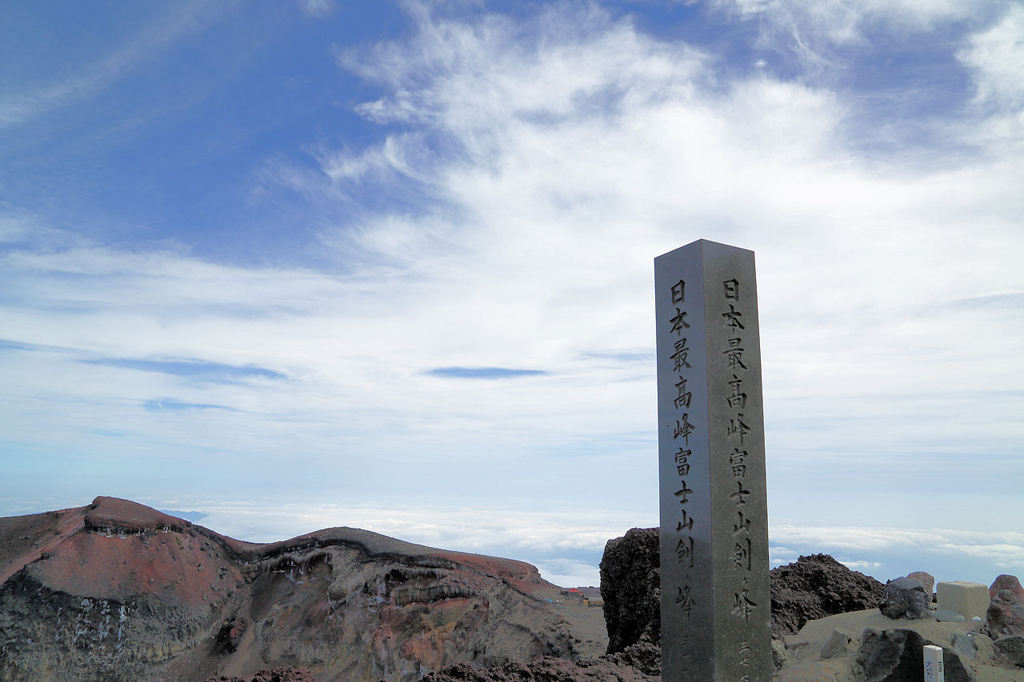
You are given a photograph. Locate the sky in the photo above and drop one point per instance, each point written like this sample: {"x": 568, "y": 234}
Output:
{"x": 286, "y": 266}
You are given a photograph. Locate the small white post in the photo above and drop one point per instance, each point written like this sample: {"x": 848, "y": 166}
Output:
{"x": 933, "y": 670}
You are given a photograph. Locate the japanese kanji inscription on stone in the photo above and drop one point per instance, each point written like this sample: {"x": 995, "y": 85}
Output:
{"x": 715, "y": 603}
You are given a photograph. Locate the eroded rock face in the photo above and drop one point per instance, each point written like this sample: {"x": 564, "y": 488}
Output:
{"x": 644, "y": 655}
{"x": 1006, "y": 609}
{"x": 817, "y": 586}
{"x": 118, "y": 591}
{"x": 631, "y": 588}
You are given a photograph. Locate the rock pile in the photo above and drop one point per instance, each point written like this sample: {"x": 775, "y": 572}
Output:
{"x": 816, "y": 586}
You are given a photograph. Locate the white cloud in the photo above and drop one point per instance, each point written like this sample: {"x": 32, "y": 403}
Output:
{"x": 557, "y": 158}
{"x": 549, "y": 539}
{"x": 995, "y": 57}
{"x": 572, "y": 158}
{"x": 386, "y": 157}
{"x": 862, "y": 565}
{"x": 820, "y": 34}
{"x": 1005, "y": 548}
{"x": 841, "y": 21}
{"x": 316, "y": 8}
{"x": 570, "y": 573}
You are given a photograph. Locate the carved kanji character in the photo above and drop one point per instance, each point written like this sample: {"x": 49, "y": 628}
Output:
{"x": 732, "y": 317}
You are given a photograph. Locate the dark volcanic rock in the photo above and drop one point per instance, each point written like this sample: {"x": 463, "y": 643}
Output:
{"x": 1012, "y": 648}
{"x": 546, "y": 669}
{"x": 631, "y": 589}
{"x": 271, "y": 675}
{"x": 812, "y": 587}
{"x": 905, "y": 598}
{"x": 230, "y": 633}
{"x": 816, "y": 586}
{"x": 891, "y": 655}
{"x": 897, "y": 656}
{"x": 644, "y": 655}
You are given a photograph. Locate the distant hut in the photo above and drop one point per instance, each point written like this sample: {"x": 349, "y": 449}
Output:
{"x": 573, "y": 593}
{"x": 592, "y": 596}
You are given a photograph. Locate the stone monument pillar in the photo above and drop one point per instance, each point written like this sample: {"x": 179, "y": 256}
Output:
{"x": 715, "y": 602}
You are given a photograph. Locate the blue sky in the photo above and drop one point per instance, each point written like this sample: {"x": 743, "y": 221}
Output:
{"x": 390, "y": 265}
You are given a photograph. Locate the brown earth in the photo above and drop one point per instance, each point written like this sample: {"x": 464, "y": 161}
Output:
{"x": 119, "y": 591}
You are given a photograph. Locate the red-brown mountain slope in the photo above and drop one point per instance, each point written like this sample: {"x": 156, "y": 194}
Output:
{"x": 119, "y": 591}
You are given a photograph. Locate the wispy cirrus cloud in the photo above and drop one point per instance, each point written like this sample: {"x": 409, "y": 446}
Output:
{"x": 316, "y": 8}
{"x": 555, "y": 155}
{"x": 519, "y": 174}
{"x": 91, "y": 77}
{"x": 840, "y": 22}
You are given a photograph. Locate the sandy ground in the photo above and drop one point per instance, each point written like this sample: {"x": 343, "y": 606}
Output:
{"x": 804, "y": 661}
{"x": 588, "y": 627}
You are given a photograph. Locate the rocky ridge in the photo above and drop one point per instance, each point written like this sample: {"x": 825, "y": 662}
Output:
{"x": 118, "y": 591}
{"x": 816, "y": 586}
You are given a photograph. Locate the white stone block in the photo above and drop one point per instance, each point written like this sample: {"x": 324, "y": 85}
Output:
{"x": 967, "y": 599}
{"x": 933, "y": 668}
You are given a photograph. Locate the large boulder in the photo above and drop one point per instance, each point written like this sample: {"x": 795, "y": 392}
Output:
{"x": 1006, "y": 609}
{"x": 897, "y": 655}
{"x": 926, "y": 579}
{"x": 1012, "y": 649}
{"x": 631, "y": 588}
{"x": 817, "y": 586}
{"x": 905, "y": 598}
{"x": 968, "y": 599}
{"x": 891, "y": 655}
